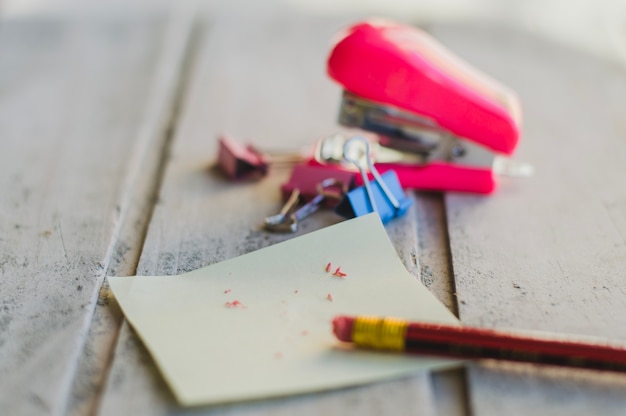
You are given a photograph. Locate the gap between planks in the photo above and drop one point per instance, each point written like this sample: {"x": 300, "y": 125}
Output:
{"x": 436, "y": 273}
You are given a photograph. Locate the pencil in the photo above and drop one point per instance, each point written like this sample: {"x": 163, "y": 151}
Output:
{"x": 467, "y": 342}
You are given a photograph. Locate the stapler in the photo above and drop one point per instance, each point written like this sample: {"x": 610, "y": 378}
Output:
{"x": 458, "y": 124}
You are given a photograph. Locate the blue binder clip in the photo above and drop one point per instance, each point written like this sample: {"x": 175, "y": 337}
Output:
{"x": 383, "y": 194}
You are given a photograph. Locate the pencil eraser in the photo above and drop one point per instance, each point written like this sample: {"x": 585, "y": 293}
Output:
{"x": 342, "y": 328}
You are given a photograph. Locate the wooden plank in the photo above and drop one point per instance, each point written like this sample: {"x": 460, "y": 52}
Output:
{"x": 546, "y": 253}
{"x": 141, "y": 188}
{"x": 77, "y": 121}
{"x": 261, "y": 78}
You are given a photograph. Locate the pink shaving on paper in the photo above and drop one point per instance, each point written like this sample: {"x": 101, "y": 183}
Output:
{"x": 235, "y": 304}
{"x": 339, "y": 273}
{"x": 329, "y": 297}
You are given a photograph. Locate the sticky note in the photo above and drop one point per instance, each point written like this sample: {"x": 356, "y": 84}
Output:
{"x": 259, "y": 325}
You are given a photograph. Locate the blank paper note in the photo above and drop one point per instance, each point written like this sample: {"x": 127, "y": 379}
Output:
{"x": 259, "y": 325}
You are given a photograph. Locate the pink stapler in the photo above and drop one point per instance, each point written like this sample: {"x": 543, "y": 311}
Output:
{"x": 417, "y": 97}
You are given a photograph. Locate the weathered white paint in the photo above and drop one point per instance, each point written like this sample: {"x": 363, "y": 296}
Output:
{"x": 83, "y": 110}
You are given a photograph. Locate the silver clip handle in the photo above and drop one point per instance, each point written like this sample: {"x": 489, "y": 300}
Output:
{"x": 356, "y": 150}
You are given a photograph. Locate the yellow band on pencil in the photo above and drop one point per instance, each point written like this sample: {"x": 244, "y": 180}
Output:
{"x": 379, "y": 333}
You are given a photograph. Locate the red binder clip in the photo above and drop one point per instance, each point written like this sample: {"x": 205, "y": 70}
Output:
{"x": 418, "y": 97}
{"x": 307, "y": 178}
{"x": 238, "y": 161}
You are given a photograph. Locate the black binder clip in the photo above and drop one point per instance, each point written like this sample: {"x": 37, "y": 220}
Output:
{"x": 383, "y": 194}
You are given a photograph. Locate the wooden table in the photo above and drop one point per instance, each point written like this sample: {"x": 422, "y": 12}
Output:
{"x": 108, "y": 128}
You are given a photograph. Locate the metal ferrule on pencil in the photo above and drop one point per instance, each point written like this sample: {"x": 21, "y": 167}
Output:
{"x": 387, "y": 333}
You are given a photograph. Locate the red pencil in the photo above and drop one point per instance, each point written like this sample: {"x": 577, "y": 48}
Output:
{"x": 465, "y": 342}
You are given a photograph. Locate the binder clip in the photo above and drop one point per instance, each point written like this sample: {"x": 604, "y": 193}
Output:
{"x": 240, "y": 161}
{"x": 307, "y": 180}
{"x": 289, "y": 217}
{"x": 419, "y": 98}
{"x": 383, "y": 194}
